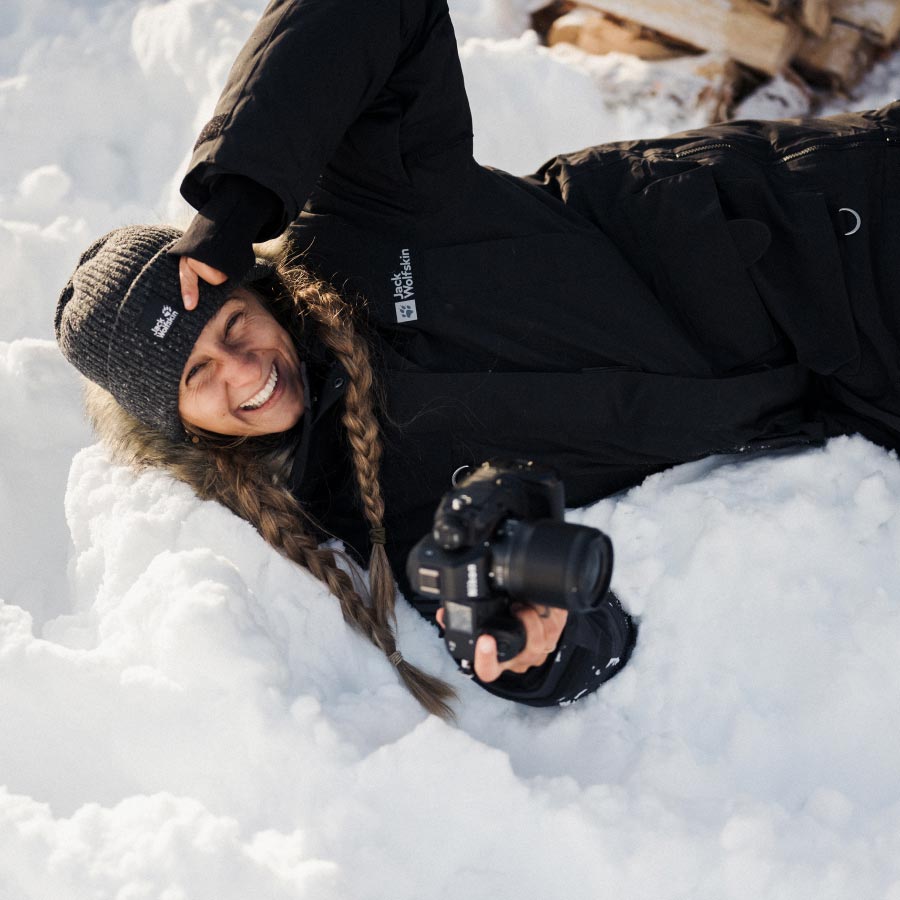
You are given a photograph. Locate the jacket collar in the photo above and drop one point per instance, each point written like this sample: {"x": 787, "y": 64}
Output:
{"x": 326, "y": 384}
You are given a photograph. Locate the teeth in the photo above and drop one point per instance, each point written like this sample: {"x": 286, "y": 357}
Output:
{"x": 258, "y": 399}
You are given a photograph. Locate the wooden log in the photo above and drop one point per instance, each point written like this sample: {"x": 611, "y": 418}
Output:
{"x": 542, "y": 19}
{"x": 838, "y": 60}
{"x": 593, "y": 32}
{"x": 722, "y": 77}
{"x": 815, "y": 16}
{"x": 881, "y": 18}
{"x": 742, "y": 31}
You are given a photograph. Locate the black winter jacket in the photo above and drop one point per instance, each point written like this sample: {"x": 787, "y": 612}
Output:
{"x": 626, "y": 308}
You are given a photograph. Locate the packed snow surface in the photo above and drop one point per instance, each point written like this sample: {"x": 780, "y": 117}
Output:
{"x": 183, "y": 714}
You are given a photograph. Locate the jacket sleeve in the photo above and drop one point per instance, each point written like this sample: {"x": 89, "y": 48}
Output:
{"x": 593, "y": 647}
{"x": 223, "y": 233}
{"x": 354, "y": 88}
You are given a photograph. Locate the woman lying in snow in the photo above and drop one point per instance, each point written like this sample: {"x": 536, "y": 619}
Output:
{"x": 626, "y": 308}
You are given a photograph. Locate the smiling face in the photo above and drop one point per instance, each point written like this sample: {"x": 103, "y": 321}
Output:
{"x": 243, "y": 375}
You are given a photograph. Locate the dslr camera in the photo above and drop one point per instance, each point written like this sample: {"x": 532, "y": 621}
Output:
{"x": 499, "y": 538}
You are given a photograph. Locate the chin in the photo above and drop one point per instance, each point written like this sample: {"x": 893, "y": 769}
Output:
{"x": 281, "y": 424}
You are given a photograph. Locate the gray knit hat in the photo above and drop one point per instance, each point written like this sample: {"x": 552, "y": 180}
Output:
{"x": 122, "y": 323}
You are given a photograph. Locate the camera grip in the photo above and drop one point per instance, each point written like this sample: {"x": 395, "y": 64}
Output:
{"x": 510, "y": 637}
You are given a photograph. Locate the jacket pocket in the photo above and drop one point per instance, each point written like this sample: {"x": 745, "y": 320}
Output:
{"x": 698, "y": 270}
{"x": 803, "y": 283}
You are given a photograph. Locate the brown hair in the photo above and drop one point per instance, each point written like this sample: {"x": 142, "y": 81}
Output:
{"x": 244, "y": 474}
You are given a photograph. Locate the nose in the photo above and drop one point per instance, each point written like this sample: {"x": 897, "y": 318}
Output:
{"x": 240, "y": 368}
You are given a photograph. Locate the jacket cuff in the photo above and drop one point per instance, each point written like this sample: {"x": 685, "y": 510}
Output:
{"x": 592, "y": 649}
{"x": 238, "y": 214}
{"x": 538, "y": 683}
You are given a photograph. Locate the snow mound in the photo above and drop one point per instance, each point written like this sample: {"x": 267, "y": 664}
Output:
{"x": 213, "y": 697}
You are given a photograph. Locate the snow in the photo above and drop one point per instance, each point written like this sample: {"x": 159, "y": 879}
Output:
{"x": 185, "y": 716}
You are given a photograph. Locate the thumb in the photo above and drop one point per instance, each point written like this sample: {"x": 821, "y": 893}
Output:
{"x": 487, "y": 666}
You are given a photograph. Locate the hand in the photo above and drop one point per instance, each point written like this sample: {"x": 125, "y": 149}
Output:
{"x": 543, "y": 627}
{"x": 190, "y": 271}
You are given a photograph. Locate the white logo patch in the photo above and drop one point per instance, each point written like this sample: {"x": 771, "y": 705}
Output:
{"x": 404, "y": 289}
{"x": 164, "y": 322}
{"x": 406, "y": 311}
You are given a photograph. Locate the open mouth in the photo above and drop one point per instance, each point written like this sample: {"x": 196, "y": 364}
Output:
{"x": 265, "y": 394}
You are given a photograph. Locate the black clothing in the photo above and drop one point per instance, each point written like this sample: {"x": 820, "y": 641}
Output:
{"x": 626, "y": 308}
{"x": 237, "y": 211}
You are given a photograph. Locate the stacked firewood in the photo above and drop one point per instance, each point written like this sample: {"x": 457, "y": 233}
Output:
{"x": 827, "y": 42}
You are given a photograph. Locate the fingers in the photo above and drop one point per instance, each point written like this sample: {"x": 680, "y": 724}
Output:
{"x": 543, "y": 628}
{"x": 190, "y": 271}
{"x": 542, "y": 633}
{"x": 190, "y": 286}
{"x": 487, "y": 666}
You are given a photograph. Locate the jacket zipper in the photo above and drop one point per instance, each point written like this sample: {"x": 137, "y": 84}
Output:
{"x": 703, "y": 147}
{"x": 787, "y": 158}
{"x": 812, "y": 148}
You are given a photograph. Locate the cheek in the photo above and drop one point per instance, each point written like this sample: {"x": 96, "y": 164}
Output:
{"x": 184, "y": 405}
{"x": 203, "y": 408}
{"x": 281, "y": 338}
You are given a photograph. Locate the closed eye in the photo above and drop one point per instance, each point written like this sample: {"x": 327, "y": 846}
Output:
{"x": 194, "y": 370}
{"x": 232, "y": 321}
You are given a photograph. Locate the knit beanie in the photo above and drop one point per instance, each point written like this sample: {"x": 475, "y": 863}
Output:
{"x": 121, "y": 321}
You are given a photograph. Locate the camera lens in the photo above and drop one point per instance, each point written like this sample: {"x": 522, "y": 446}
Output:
{"x": 590, "y": 569}
{"x": 553, "y": 562}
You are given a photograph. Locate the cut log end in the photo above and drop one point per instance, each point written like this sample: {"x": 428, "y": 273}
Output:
{"x": 596, "y": 33}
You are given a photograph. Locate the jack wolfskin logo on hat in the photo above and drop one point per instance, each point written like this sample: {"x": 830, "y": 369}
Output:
{"x": 159, "y": 318}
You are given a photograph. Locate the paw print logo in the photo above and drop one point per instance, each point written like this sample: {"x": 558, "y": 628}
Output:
{"x": 406, "y": 310}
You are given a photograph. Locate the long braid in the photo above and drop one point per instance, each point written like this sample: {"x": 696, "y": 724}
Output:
{"x": 337, "y": 332}
{"x": 339, "y": 336}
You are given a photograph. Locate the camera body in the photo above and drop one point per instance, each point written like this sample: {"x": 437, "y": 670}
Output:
{"x": 500, "y": 538}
